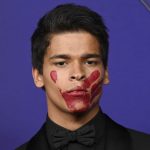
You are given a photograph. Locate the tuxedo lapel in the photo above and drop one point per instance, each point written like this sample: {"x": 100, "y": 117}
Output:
{"x": 117, "y": 137}
{"x": 39, "y": 141}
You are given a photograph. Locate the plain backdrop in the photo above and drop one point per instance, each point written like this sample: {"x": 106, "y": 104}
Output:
{"x": 125, "y": 99}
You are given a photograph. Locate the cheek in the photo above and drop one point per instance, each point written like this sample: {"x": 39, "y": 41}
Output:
{"x": 91, "y": 79}
{"x": 53, "y": 75}
{"x": 95, "y": 90}
{"x": 90, "y": 83}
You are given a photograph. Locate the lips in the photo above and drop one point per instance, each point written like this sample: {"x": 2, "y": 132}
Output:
{"x": 77, "y": 91}
{"x": 77, "y": 99}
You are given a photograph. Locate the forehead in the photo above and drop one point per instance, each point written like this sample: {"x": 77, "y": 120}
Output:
{"x": 73, "y": 43}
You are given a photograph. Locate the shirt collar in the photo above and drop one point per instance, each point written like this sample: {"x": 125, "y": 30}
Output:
{"x": 98, "y": 121}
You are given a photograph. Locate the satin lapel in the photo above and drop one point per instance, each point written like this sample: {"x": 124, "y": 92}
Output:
{"x": 39, "y": 141}
{"x": 117, "y": 137}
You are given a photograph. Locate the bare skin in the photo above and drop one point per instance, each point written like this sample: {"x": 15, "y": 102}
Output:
{"x": 69, "y": 64}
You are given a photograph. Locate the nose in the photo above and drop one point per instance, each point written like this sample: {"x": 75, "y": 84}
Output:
{"x": 77, "y": 73}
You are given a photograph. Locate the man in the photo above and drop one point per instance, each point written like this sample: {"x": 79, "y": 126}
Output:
{"x": 69, "y": 58}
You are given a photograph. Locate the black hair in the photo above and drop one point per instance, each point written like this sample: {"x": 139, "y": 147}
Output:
{"x": 67, "y": 18}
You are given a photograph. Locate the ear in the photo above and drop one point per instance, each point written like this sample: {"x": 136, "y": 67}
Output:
{"x": 38, "y": 78}
{"x": 106, "y": 77}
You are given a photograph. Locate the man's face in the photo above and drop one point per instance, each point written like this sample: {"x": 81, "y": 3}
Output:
{"x": 73, "y": 72}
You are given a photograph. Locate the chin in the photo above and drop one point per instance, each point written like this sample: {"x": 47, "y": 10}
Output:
{"x": 78, "y": 109}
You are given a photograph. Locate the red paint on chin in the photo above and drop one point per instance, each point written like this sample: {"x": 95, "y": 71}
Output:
{"x": 53, "y": 76}
{"x": 72, "y": 99}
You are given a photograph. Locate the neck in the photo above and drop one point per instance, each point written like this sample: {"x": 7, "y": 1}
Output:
{"x": 72, "y": 121}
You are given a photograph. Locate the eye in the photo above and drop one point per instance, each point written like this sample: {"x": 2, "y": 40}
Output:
{"x": 91, "y": 62}
{"x": 60, "y": 64}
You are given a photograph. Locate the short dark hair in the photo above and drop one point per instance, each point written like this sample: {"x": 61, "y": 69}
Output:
{"x": 67, "y": 18}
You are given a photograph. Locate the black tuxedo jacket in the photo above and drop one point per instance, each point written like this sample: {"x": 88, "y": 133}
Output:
{"x": 119, "y": 138}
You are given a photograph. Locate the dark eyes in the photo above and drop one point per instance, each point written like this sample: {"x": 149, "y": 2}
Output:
{"x": 90, "y": 63}
{"x": 60, "y": 64}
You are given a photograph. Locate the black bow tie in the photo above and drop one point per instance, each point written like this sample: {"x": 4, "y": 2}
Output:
{"x": 84, "y": 136}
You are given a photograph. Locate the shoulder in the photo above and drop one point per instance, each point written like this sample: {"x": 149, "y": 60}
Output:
{"x": 22, "y": 147}
{"x": 34, "y": 141}
{"x": 119, "y": 134}
{"x": 140, "y": 140}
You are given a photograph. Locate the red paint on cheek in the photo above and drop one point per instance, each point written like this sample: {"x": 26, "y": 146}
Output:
{"x": 94, "y": 87}
{"x": 94, "y": 76}
{"x": 72, "y": 100}
{"x": 95, "y": 90}
{"x": 53, "y": 76}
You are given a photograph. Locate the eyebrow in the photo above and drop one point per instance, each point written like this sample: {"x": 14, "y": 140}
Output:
{"x": 63, "y": 56}
{"x": 84, "y": 56}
